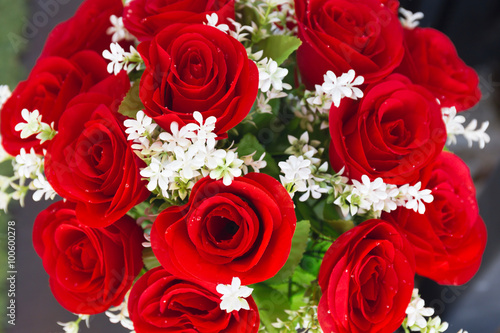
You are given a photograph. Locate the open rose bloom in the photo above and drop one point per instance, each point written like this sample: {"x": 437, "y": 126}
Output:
{"x": 234, "y": 166}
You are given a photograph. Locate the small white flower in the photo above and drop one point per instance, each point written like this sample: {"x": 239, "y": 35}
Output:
{"x": 454, "y": 123}
{"x": 122, "y": 316}
{"x": 69, "y": 327}
{"x": 189, "y": 162}
{"x": 32, "y": 124}
{"x": 256, "y": 165}
{"x": 417, "y": 198}
{"x": 479, "y": 135}
{"x": 409, "y": 19}
{"x": 4, "y": 94}
{"x": 212, "y": 157}
{"x": 73, "y": 326}
{"x": 176, "y": 138}
{"x": 212, "y": 20}
{"x": 416, "y": 311}
{"x": 454, "y": 126}
{"x": 28, "y": 165}
{"x": 371, "y": 194}
{"x": 342, "y": 86}
{"x": 320, "y": 101}
{"x": 43, "y": 188}
{"x": 137, "y": 127}
{"x": 241, "y": 33}
{"x": 158, "y": 173}
{"x": 295, "y": 168}
{"x": 118, "y": 30}
{"x": 204, "y": 131}
{"x": 263, "y": 103}
{"x": 314, "y": 190}
{"x": 116, "y": 56}
{"x": 233, "y": 296}
{"x": 271, "y": 75}
{"x": 435, "y": 325}
{"x": 462, "y": 331}
{"x": 85, "y": 318}
{"x": 132, "y": 60}
{"x": 145, "y": 148}
{"x": 229, "y": 170}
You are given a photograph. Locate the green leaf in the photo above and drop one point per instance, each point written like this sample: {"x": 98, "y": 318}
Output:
{"x": 149, "y": 259}
{"x": 303, "y": 277}
{"x": 249, "y": 144}
{"x": 299, "y": 244}
{"x": 279, "y": 47}
{"x": 271, "y": 303}
{"x": 131, "y": 104}
{"x": 313, "y": 256}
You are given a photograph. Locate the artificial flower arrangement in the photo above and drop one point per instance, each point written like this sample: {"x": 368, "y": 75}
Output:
{"x": 250, "y": 165}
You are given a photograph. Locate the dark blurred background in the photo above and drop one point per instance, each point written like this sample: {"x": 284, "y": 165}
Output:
{"x": 474, "y": 27}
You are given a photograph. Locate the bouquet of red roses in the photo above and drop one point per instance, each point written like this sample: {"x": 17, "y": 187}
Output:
{"x": 248, "y": 165}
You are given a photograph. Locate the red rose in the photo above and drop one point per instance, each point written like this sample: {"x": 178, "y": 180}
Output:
{"x": 160, "y": 302}
{"x": 431, "y": 60}
{"x": 242, "y": 230}
{"x": 146, "y": 18}
{"x": 86, "y": 30}
{"x": 90, "y": 269}
{"x": 197, "y": 68}
{"x": 391, "y": 4}
{"x": 393, "y": 132}
{"x": 450, "y": 238}
{"x": 367, "y": 280}
{"x": 340, "y": 35}
{"x": 52, "y": 83}
{"x": 91, "y": 163}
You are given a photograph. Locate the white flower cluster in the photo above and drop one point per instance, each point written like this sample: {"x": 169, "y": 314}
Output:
{"x": 34, "y": 125}
{"x": 177, "y": 159}
{"x": 377, "y": 196}
{"x": 118, "y": 31}
{"x": 74, "y": 326}
{"x": 240, "y": 32}
{"x": 335, "y": 88}
{"x": 233, "y": 296}
{"x": 415, "y": 320}
{"x": 304, "y": 172}
{"x": 271, "y": 83}
{"x": 303, "y": 319}
{"x": 122, "y": 316}
{"x": 27, "y": 167}
{"x": 454, "y": 126}
{"x": 119, "y": 59}
{"x": 410, "y": 20}
{"x": 316, "y": 105}
{"x": 270, "y": 74}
